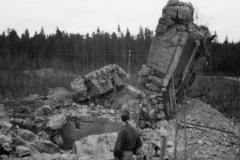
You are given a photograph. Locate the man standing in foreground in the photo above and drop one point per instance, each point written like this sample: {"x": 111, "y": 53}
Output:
{"x": 127, "y": 141}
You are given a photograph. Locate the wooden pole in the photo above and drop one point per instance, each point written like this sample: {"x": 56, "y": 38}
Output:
{"x": 163, "y": 145}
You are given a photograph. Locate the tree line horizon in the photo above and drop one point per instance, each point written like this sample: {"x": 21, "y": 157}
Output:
{"x": 97, "y": 49}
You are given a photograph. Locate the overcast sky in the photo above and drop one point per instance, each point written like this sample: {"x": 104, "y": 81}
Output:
{"x": 84, "y": 16}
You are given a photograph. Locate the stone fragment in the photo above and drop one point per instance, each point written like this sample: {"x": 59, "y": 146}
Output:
{"x": 167, "y": 22}
{"x": 160, "y": 106}
{"x": 161, "y": 115}
{"x": 38, "y": 112}
{"x": 38, "y": 119}
{"x": 92, "y": 106}
{"x": 58, "y": 140}
{"x": 47, "y": 109}
{"x": 145, "y": 71}
{"x": 158, "y": 74}
{"x": 111, "y": 111}
{"x": 154, "y": 101}
{"x": 122, "y": 74}
{"x": 161, "y": 28}
{"x": 4, "y": 156}
{"x": 209, "y": 143}
{"x": 166, "y": 36}
{"x": 99, "y": 87}
{"x": 43, "y": 135}
{"x": 152, "y": 87}
{"x": 173, "y": 2}
{"x": 171, "y": 13}
{"x": 7, "y": 147}
{"x": 28, "y": 139}
{"x": 118, "y": 80}
{"x": 23, "y": 151}
{"x": 180, "y": 27}
{"x": 156, "y": 81}
{"x": 151, "y": 113}
{"x": 142, "y": 124}
{"x": 162, "y": 132}
{"x": 163, "y": 124}
{"x": 107, "y": 85}
{"x": 169, "y": 144}
{"x": 93, "y": 113}
{"x": 5, "y": 138}
{"x": 57, "y": 121}
{"x": 185, "y": 13}
{"x": 166, "y": 16}
{"x": 173, "y": 30}
{"x": 143, "y": 80}
{"x": 200, "y": 142}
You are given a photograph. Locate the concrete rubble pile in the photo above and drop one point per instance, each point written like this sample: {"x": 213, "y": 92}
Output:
{"x": 175, "y": 28}
{"x": 23, "y": 142}
{"x": 98, "y": 82}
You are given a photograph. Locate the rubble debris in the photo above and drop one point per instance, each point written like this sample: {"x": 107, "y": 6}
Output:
{"x": 98, "y": 82}
{"x": 23, "y": 151}
{"x": 178, "y": 45}
{"x": 99, "y": 146}
{"x": 23, "y": 142}
{"x": 57, "y": 121}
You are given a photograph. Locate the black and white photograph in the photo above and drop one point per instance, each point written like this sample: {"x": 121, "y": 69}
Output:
{"x": 119, "y": 80}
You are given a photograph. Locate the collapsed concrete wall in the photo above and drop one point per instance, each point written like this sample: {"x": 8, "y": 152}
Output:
{"x": 176, "y": 35}
{"x": 98, "y": 82}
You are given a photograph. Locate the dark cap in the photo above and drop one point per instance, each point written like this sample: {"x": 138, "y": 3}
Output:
{"x": 125, "y": 115}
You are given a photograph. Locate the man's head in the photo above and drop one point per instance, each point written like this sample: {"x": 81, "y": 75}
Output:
{"x": 125, "y": 115}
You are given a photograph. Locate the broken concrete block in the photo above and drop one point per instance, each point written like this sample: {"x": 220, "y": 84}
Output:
{"x": 160, "y": 106}
{"x": 58, "y": 140}
{"x": 145, "y": 71}
{"x": 171, "y": 13}
{"x": 160, "y": 115}
{"x": 47, "y": 110}
{"x": 92, "y": 106}
{"x": 152, "y": 87}
{"x": 5, "y": 138}
{"x": 185, "y": 13}
{"x": 57, "y": 121}
{"x": 167, "y": 22}
{"x": 43, "y": 135}
{"x": 173, "y": 2}
{"x": 161, "y": 28}
{"x": 23, "y": 151}
{"x": 36, "y": 144}
{"x": 38, "y": 112}
{"x": 85, "y": 117}
{"x": 156, "y": 81}
{"x": 163, "y": 124}
{"x": 143, "y": 80}
{"x": 118, "y": 80}
{"x": 100, "y": 88}
{"x": 122, "y": 73}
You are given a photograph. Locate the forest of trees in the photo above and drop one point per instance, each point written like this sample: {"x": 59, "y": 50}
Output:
{"x": 94, "y": 50}
{"x": 80, "y": 51}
